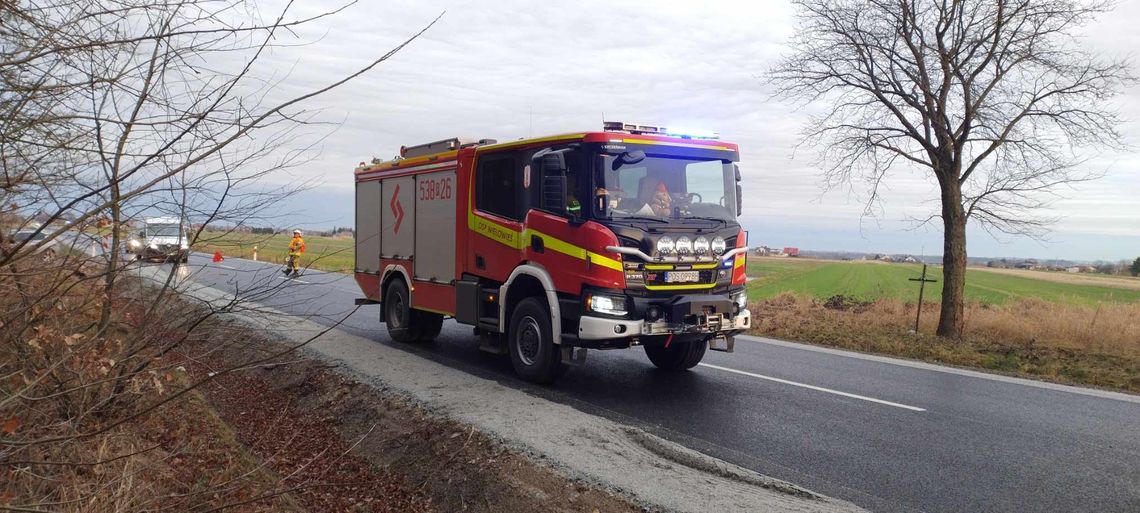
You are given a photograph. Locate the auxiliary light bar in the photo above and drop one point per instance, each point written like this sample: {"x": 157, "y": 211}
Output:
{"x": 618, "y": 126}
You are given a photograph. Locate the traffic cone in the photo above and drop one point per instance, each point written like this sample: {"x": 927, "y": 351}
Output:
{"x": 218, "y": 257}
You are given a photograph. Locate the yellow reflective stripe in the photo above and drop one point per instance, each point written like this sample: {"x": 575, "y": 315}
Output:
{"x": 739, "y": 262}
{"x": 500, "y": 146}
{"x": 604, "y": 261}
{"x": 682, "y": 145}
{"x": 432, "y": 310}
{"x": 495, "y": 231}
{"x": 681, "y": 287}
{"x": 517, "y": 240}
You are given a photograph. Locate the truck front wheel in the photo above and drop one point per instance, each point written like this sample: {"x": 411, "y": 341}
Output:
{"x": 678, "y": 356}
{"x": 531, "y": 343}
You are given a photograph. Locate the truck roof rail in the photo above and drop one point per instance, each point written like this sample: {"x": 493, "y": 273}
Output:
{"x": 441, "y": 146}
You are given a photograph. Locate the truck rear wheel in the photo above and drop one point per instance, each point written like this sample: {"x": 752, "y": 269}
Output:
{"x": 678, "y": 356}
{"x": 530, "y": 342}
{"x": 398, "y": 314}
{"x": 430, "y": 324}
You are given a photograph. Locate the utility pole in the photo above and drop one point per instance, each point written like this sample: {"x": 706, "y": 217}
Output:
{"x": 922, "y": 281}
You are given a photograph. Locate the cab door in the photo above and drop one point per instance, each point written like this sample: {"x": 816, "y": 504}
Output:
{"x": 495, "y": 222}
{"x": 557, "y": 236}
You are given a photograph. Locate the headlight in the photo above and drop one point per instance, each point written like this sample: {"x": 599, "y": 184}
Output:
{"x": 152, "y": 245}
{"x": 742, "y": 301}
{"x": 134, "y": 243}
{"x": 718, "y": 245}
{"x": 665, "y": 245}
{"x": 185, "y": 246}
{"x": 701, "y": 245}
{"x": 609, "y": 305}
{"x": 684, "y": 246}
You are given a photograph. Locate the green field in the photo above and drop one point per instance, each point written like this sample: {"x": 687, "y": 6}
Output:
{"x": 326, "y": 253}
{"x": 875, "y": 280}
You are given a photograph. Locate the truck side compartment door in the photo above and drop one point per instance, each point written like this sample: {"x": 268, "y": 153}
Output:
{"x": 368, "y": 208}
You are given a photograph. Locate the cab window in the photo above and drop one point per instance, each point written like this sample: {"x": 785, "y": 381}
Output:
{"x": 497, "y": 186}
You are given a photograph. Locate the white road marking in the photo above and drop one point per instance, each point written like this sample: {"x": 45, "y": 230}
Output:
{"x": 1092, "y": 392}
{"x": 813, "y": 387}
{"x": 294, "y": 279}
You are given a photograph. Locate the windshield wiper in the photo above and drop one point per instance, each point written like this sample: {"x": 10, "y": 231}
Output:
{"x": 643, "y": 218}
{"x": 706, "y": 218}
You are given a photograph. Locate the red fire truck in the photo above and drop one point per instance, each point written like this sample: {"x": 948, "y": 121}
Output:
{"x": 554, "y": 245}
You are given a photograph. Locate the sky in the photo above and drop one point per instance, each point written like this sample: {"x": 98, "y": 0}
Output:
{"x": 512, "y": 69}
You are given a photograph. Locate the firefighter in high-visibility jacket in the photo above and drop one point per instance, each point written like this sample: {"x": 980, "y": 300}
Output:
{"x": 296, "y": 249}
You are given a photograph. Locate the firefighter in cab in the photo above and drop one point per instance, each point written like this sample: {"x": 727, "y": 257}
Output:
{"x": 296, "y": 249}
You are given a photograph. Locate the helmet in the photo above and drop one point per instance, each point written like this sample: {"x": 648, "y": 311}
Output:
{"x": 296, "y": 232}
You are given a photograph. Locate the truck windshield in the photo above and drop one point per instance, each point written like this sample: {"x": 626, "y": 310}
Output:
{"x": 162, "y": 230}
{"x": 665, "y": 187}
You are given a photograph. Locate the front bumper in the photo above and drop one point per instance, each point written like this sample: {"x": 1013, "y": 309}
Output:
{"x": 603, "y": 328}
{"x": 175, "y": 253}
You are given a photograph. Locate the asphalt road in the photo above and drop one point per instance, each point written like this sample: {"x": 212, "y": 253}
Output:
{"x": 888, "y": 435}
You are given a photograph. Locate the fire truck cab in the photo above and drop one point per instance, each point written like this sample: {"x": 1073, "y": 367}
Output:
{"x": 554, "y": 245}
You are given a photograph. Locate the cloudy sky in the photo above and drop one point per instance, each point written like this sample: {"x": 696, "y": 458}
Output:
{"x": 511, "y": 69}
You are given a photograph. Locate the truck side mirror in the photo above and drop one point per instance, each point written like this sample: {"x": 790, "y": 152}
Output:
{"x": 549, "y": 162}
{"x": 739, "y": 197}
{"x": 554, "y": 193}
{"x": 551, "y": 165}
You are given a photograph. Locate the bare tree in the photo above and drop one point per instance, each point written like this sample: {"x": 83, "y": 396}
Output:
{"x": 995, "y": 99}
{"x": 109, "y": 112}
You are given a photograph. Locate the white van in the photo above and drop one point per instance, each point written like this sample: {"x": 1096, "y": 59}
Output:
{"x": 165, "y": 238}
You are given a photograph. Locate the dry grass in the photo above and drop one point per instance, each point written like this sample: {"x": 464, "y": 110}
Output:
{"x": 1091, "y": 345}
{"x": 81, "y": 426}
{"x": 1097, "y": 280}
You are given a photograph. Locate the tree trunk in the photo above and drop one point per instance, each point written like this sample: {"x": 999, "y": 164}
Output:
{"x": 952, "y": 320}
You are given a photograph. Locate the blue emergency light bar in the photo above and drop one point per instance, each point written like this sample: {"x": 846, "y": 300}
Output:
{"x": 618, "y": 126}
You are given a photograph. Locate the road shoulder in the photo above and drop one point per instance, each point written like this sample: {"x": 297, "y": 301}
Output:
{"x": 651, "y": 472}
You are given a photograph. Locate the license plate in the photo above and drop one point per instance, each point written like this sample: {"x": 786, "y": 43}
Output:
{"x": 682, "y": 276}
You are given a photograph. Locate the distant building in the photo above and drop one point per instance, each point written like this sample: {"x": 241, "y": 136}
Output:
{"x": 792, "y": 252}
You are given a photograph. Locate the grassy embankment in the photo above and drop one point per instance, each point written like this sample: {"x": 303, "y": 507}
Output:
{"x": 1058, "y": 327}
{"x": 324, "y": 253}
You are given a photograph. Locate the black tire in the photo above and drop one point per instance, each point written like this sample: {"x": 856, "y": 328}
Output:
{"x": 678, "y": 356}
{"x": 429, "y": 323}
{"x": 398, "y": 313}
{"x": 530, "y": 343}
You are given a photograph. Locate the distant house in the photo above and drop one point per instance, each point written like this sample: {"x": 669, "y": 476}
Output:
{"x": 910, "y": 260}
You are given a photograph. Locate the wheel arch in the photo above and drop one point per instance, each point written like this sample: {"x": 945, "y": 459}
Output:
{"x": 529, "y": 280}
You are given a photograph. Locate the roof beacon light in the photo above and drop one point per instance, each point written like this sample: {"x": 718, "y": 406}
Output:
{"x": 631, "y": 128}
{"x": 691, "y": 133}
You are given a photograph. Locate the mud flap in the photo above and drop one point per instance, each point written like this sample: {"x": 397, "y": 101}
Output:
{"x": 722, "y": 343}
{"x": 573, "y": 355}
